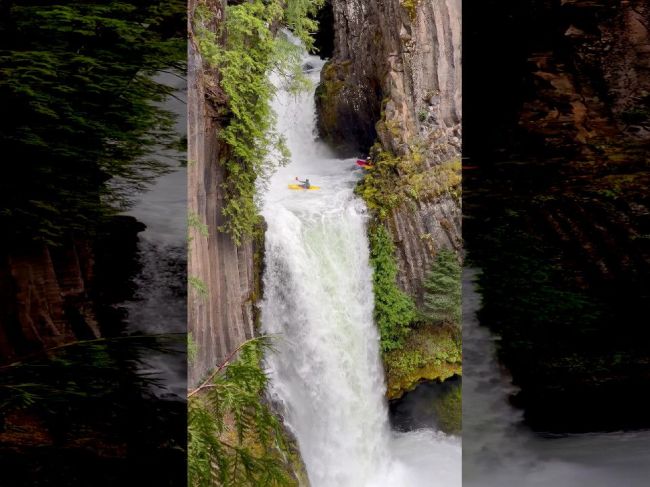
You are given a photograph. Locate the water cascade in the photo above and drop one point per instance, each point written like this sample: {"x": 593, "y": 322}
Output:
{"x": 325, "y": 370}
{"x": 158, "y": 307}
{"x": 499, "y": 451}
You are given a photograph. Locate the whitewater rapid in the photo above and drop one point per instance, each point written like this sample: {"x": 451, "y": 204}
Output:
{"x": 325, "y": 370}
{"x": 159, "y": 306}
{"x": 498, "y": 450}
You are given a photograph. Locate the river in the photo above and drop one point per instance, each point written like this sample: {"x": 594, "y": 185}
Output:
{"x": 159, "y": 305}
{"x": 325, "y": 371}
{"x": 499, "y": 451}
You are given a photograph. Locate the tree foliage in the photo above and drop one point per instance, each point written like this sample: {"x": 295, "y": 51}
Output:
{"x": 234, "y": 438}
{"x": 394, "y": 310}
{"x": 246, "y": 50}
{"x": 81, "y": 109}
{"x": 442, "y": 290}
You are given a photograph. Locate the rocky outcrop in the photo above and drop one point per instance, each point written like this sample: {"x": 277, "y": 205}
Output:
{"x": 591, "y": 84}
{"x": 43, "y": 291}
{"x": 52, "y": 296}
{"x": 395, "y": 79}
{"x": 558, "y": 208}
{"x": 222, "y": 274}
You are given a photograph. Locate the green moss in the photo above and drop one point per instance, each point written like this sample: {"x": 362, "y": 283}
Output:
{"x": 449, "y": 411}
{"x": 394, "y": 181}
{"x": 427, "y": 353}
{"x": 411, "y": 7}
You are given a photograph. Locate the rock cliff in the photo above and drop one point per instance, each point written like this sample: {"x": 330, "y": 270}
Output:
{"x": 53, "y": 296}
{"x": 43, "y": 290}
{"x": 558, "y": 206}
{"x": 222, "y": 275}
{"x": 395, "y": 79}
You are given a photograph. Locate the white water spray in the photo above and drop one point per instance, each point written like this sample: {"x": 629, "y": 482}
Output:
{"x": 325, "y": 371}
{"x": 500, "y": 452}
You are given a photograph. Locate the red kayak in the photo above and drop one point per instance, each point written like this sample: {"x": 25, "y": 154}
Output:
{"x": 363, "y": 164}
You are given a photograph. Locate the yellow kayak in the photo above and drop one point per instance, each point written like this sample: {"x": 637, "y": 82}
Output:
{"x": 298, "y": 186}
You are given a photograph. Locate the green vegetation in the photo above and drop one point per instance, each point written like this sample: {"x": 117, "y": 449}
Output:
{"x": 246, "y": 50}
{"x": 81, "y": 110}
{"x": 427, "y": 353}
{"x": 83, "y": 411}
{"x": 394, "y": 310}
{"x": 421, "y": 345}
{"x": 411, "y": 7}
{"x": 198, "y": 286}
{"x": 442, "y": 293}
{"x": 394, "y": 180}
{"x": 192, "y": 349}
{"x": 234, "y": 438}
{"x": 449, "y": 410}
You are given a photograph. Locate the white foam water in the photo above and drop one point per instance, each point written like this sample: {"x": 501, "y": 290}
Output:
{"x": 325, "y": 370}
{"x": 500, "y": 452}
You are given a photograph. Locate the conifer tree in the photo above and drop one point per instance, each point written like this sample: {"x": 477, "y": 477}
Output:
{"x": 442, "y": 298}
{"x": 81, "y": 109}
{"x": 234, "y": 438}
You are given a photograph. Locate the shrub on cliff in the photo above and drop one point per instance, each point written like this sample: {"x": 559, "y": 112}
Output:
{"x": 81, "y": 109}
{"x": 394, "y": 310}
{"x": 234, "y": 438}
{"x": 246, "y": 49}
{"x": 442, "y": 291}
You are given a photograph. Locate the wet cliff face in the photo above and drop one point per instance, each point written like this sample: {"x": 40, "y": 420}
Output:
{"x": 222, "y": 275}
{"x": 591, "y": 77}
{"x": 395, "y": 78}
{"x": 34, "y": 299}
{"x": 558, "y": 202}
{"x": 53, "y": 296}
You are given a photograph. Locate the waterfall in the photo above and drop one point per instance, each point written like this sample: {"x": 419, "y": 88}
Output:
{"x": 499, "y": 451}
{"x": 325, "y": 370}
{"x": 159, "y": 304}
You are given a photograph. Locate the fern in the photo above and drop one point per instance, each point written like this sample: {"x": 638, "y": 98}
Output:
{"x": 234, "y": 438}
{"x": 251, "y": 51}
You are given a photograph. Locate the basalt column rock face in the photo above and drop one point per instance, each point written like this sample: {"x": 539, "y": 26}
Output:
{"x": 44, "y": 299}
{"x": 593, "y": 82}
{"x": 395, "y": 79}
{"x": 560, "y": 199}
{"x": 222, "y": 277}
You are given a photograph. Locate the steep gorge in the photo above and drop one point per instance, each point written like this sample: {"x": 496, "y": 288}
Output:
{"x": 557, "y": 206}
{"x": 220, "y": 307}
{"x": 392, "y": 89}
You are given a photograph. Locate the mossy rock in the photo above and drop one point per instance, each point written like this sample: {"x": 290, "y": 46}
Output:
{"x": 449, "y": 411}
{"x": 429, "y": 353}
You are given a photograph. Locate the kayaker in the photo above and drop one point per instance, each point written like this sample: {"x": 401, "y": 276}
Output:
{"x": 305, "y": 184}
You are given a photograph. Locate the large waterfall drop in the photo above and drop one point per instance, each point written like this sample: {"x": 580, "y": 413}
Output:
{"x": 325, "y": 369}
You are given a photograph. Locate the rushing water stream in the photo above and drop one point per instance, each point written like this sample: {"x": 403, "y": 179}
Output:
{"x": 498, "y": 451}
{"x": 325, "y": 369}
{"x": 159, "y": 304}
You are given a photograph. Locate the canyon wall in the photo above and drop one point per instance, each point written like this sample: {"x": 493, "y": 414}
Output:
{"x": 558, "y": 207}
{"x": 56, "y": 295}
{"x": 395, "y": 79}
{"x": 41, "y": 291}
{"x": 591, "y": 79}
{"x": 222, "y": 274}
